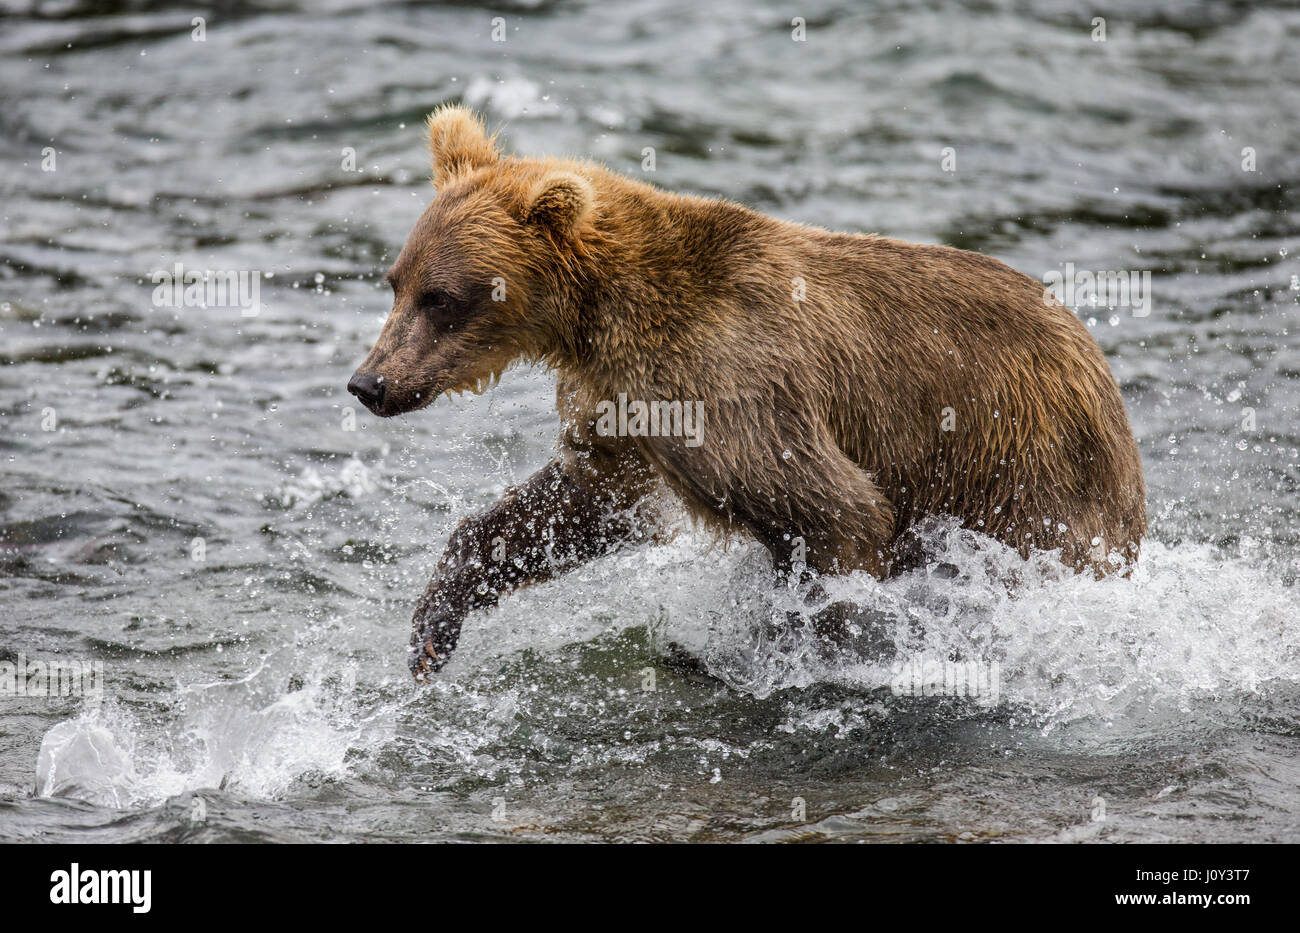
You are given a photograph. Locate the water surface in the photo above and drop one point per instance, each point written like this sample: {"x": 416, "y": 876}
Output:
{"x": 268, "y": 679}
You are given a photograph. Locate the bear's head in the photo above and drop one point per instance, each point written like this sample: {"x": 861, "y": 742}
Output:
{"x": 486, "y": 275}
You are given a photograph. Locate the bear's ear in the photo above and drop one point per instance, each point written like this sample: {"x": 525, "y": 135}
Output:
{"x": 458, "y": 142}
{"x": 560, "y": 204}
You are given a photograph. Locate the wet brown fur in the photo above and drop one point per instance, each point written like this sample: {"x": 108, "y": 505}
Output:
{"x": 623, "y": 288}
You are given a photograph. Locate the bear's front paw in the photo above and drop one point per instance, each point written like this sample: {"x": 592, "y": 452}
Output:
{"x": 433, "y": 639}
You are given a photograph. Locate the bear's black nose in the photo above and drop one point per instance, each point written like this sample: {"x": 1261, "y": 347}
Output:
{"x": 368, "y": 387}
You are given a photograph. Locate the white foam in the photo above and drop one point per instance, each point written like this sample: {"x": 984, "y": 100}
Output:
{"x": 352, "y": 479}
{"x": 1189, "y": 624}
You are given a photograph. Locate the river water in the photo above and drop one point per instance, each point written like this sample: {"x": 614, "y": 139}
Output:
{"x": 187, "y": 499}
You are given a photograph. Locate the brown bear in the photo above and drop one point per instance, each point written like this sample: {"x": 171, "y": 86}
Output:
{"x": 821, "y": 391}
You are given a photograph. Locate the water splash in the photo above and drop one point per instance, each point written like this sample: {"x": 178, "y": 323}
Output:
{"x": 258, "y": 735}
{"x": 1191, "y": 626}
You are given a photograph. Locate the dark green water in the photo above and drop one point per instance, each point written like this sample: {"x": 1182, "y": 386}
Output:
{"x": 269, "y": 678}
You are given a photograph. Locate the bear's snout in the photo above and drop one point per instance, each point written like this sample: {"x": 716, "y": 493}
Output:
{"x": 369, "y": 388}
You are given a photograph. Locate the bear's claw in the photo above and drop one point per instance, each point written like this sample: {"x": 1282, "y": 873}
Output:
{"x": 431, "y": 645}
{"x": 425, "y": 660}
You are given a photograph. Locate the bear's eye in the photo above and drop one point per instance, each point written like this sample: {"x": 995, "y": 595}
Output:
{"x": 437, "y": 302}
